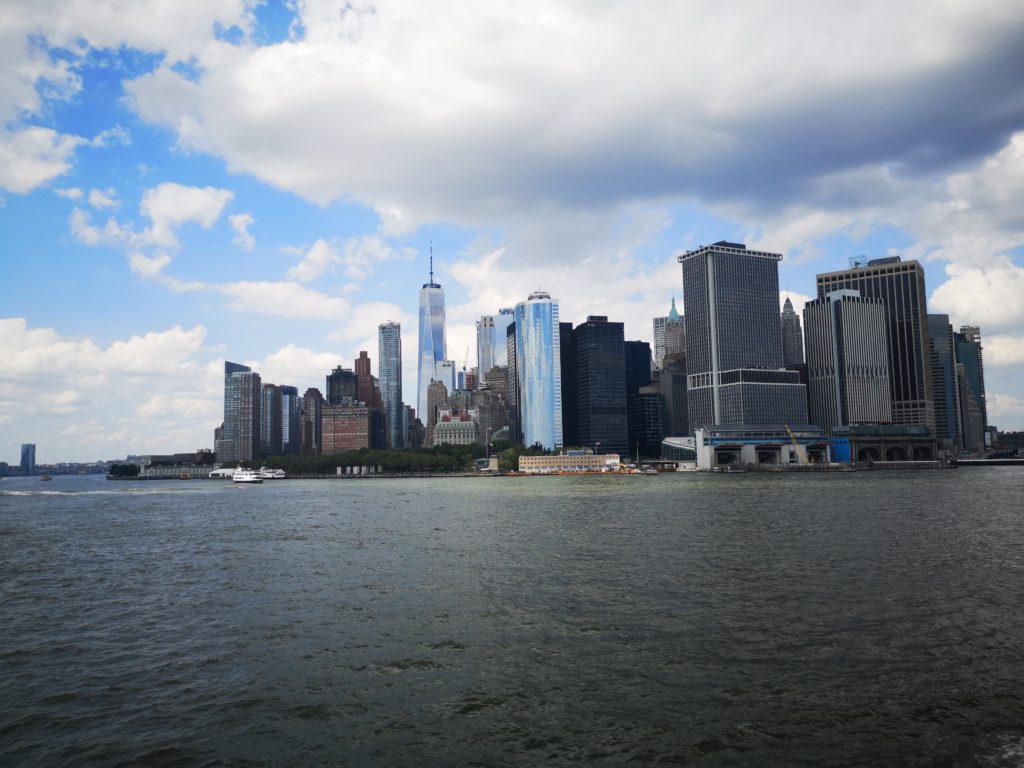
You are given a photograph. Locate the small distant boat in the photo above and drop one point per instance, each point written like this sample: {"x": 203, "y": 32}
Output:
{"x": 247, "y": 476}
{"x": 272, "y": 474}
{"x": 46, "y": 477}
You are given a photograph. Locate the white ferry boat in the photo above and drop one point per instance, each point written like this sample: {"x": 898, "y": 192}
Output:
{"x": 272, "y": 474}
{"x": 225, "y": 473}
{"x": 247, "y": 476}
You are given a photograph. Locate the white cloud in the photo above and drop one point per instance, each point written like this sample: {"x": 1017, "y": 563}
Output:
{"x": 112, "y": 137}
{"x": 293, "y": 365}
{"x": 70, "y": 193}
{"x": 1004, "y": 350}
{"x": 240, "y": 223}
{"x": 32, "y": 156}
{"x": 315, "y": 262}
{"x": 1001, "y": 406}
{"x": 283, "y": 299}
{"x": 146, "y": 266}
{"x": 171, "y": 205}
{"x": 989, "y": 297}
{"x": 99, "y": 198}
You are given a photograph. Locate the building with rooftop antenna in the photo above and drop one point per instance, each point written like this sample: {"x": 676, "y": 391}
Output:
{"x": 432, "y": 345}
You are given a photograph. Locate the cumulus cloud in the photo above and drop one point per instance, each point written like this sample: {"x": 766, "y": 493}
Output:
{"x": 240, "y": 223}
{"x": 69, "y": 193}
{"x": 283, "y": 299}
{"x": 170, "y": 205}
{"x": 100, "y": 198}
{"x": 32, "y": 156}
{"x": 1004, "y": 350}
{"x": 1001, "y": 406}
{"x": 979, "y": 296}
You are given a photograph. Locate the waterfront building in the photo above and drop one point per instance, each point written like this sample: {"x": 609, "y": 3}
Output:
{"x": 972, "y": 420}
{"x": 539, "y": 370}
{"x": 792, "y": 336}
{"x": 847, "y": 360}
{"x": 28, "y": 458}
{"x": 734, "y": 339}
{"x": 291, "y": 413}
{"x": 672, "y": 381}
{"x": 868, "y": 443}
{"x": 342, "y": 386}
{"x": 249, "y": 390}
{"x": 389, "y": 342}
{"x": 432, "y": 345}
{"x": 900, "y": 286}
{"x": 569, "y": 462}
{"x": 638, "y": 360}
{"x": 345, "y": 428}
{"x": 490, "y": 408}
{"x": 597, "y": 380}
{"x": 646, "y": 422}
{"x": 969, "y": 355}
{"x": 567, "y": 360}
{"x": 311, "y": 423}
{"x": 412, "y": 428}
{"x": 733, "y": 445}
{"x": 226, "y": 442}
{"x": 945, "y": 391}
{"x": 271, "y": 429}
{"x": 490, "y": 340}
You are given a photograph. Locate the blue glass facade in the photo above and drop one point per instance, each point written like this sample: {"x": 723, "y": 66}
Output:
{"x": 539, "y": 370}
{"x": 432, "y": 347}
{"x": 389, "y": 341}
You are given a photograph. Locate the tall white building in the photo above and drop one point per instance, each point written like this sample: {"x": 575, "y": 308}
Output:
{"x": 490, "y": 340}
{"x": 539, "y": 370}
{"x": 432, "y": 345}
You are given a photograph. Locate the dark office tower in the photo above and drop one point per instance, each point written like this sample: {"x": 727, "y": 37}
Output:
{"x": 734, "y": 340}
{"x": 792, "y": 336}
{"x": 945, "y": 392}
{"x": 637, "y": 359}
{"x": 291, "y": 412}
{"x": 226, "y": 443}
{"x": 28, "y": 458}
{"x": 512, "y": 390}
{"x": 900, "y": 286}
{"x": 389, "y": 350}
{"x": 847, "y": 361}
{"x": 311, "y": 423}
{"x": 672, "y": 381}
{"x": 250, "y": 393}
{"x": 570, "y": 420}
{"x": 599, "y": 351}
{"x": 637, "y": 356}
{"x": 271, "y": 429}
{"x": 646, "y": 422}
{"x": 342, "y": 387}
{"x": 968, "y": 354}
{"x": 366, "y": 386}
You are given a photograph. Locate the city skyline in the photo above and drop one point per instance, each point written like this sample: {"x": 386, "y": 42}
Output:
{"x": 154, "y": 223}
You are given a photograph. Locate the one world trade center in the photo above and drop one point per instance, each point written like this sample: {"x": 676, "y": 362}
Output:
{"x": 432, "y": 341}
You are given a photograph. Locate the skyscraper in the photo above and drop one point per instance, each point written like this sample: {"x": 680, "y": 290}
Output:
{"x": 28, "y": 458}
{"x": 311, "y": 439}
{"x": 675, "y": 336}
{"x": 342, "y": 386}
{"x": 270, "y": 420}
{"x": 792, "y": 336}
{"x": 432, "y": 345}
{"x": 389, "y": 350}
{"x": 900, "y": 286}
{"x": 734, "y": 340}
{"x": 539, "y": 370}
{"x": 250, "y": 391}
{"x": 659, "y": 341}
{"x": 600, "y": 385}
{"x": 971, "y": 382}
{"x": 226, "y": 445}
{"x": 291, "y": 412}
{"x": 490, "y": 340}
{"x": 945, "y": 391}
{"x": 847, "y": 361}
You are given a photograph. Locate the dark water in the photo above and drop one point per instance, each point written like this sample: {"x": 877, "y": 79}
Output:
{"x": 867, "y": 619}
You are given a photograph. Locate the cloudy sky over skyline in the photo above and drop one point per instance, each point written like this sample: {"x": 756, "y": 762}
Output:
{"x": 186, "y": 182}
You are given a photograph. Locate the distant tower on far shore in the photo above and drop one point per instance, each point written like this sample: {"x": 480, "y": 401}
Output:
{"x": 432, "y": 345}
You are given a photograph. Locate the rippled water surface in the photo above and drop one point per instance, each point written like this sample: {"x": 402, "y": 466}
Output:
{"x": 856, "y": 619}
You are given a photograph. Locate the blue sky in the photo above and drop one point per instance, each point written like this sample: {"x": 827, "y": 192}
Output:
{"x": 188, "y": 182}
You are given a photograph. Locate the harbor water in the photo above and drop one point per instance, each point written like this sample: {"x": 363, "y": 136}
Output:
{"x": 869, "y": 618}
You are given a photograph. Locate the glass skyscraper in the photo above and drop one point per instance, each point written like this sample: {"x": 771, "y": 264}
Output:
{"x": 389, "y": 351}
{"x": 432, "y": 346}
{"x": 490, "y": 340}
{"x": 291, "y": 410}
{"x": 539, "y": 370}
